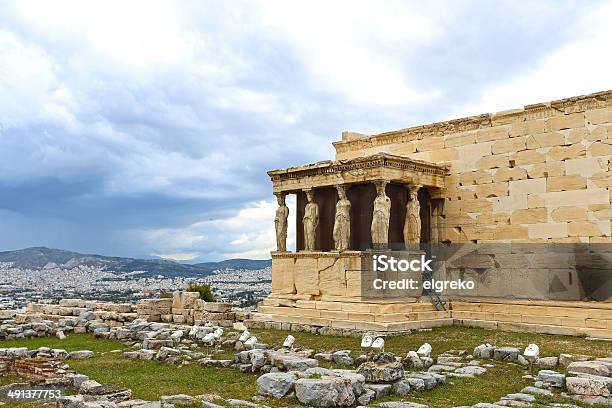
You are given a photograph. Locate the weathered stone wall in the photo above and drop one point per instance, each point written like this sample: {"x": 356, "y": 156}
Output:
{"x": 539, "y": 174}
{"x": 155, "y": 310}
{"x": 327, "y": 275}
{"x": 186, "y": 308}
{"x": 113, "y": 314}
{"x": 182, "y": 308}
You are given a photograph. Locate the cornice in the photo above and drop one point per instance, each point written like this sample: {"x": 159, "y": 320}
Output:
{"x": 472, "y": 123}
{"x": 381, "y": 160}
{"x": 315, "y": 254}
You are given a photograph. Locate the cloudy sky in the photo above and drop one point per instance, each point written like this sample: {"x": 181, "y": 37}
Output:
{"x": 145, "y": 128}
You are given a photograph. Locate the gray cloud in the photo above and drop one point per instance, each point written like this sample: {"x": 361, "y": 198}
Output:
{"x": 146, "y": 128}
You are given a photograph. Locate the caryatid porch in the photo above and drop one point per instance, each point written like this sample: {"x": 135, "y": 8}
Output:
{"x": 344, "y": 208}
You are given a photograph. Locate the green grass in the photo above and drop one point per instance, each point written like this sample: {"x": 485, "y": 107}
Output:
{"x": 149, "y": 379}
{"x": 489, "y": 387}
{"x": 10, "y": 379}
{"x": 446, "y": 338}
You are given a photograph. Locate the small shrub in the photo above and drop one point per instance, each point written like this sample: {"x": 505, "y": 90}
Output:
{"x": 204, "y": 291}
{"x": 165, "y": 295}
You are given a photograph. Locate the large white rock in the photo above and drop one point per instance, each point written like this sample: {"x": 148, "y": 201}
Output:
{"x": 366, "y": 341}
{"x": 89, "y": 385}
{"x": 507, "y": 354}
{"x": 381, "y": 372}
{"x": 589, "y": 367}
{"x": 209, "y": 338}
{"x": 378, "y": 344}
{"x": 291, "y": 361}
{"x": 548, "y": 362}
{"x": 471, "y": 370}
{"x": 342, "y": 357}
{"x": 325, "y": 392}
{"x": 194, "y": 330}
{"x": 484, "y": 351}
{"x": 250, "y": 341}
{"x": 424, "y": 350}
{"x": 244, "y": 336}
{"x": 413, "y": 360}
{"x": 80, "y": 355}
{"x": 551, "y": 377}
{"x": 357, "y": 380}
{"x": 592, "y": 385}
{"x": 239, "y": 326}
{"x": 531, "y": 353}
{"x": 275, "y": 385}
{"x": 289, "y": 341}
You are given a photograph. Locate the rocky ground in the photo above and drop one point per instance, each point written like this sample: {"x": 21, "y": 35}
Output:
{"x": 415, "y": 371}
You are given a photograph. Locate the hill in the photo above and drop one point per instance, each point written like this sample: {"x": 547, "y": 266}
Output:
{"x": 41, "y": 257}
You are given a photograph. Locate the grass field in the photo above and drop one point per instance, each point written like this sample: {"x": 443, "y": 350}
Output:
{"x": 149, "y": 380}
{"x": 446, "y": 338}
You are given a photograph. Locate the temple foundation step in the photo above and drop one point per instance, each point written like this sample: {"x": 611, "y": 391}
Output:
{"x": 591, "y": 319}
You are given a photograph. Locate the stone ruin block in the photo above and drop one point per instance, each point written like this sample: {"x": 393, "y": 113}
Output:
{"x": 181, "y": 319}
{"x": 154, "y": 307}
{"x": 34, "y": 308}
{"x": 120, "y": 307}
{"x": 184, "y": 300}
{"x": 183, "y": 312}
{"x": 22, "y": 318}
{"x": 198, "y": 315}
{"x": 215, "y": 307}
{"x": 7, "y": 314}
{"x": 72, "y": 303}
{"x": 76, "y": 311}
{"x": 242, "y": 315}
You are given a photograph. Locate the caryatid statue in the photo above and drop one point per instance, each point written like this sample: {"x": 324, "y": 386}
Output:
{"x": 380, "y": 217}
{"x": 412, "y": 224}
{"x": 280, "y": 223}
{"x": 342, "y": 223}
{"x": 310, "y": 221}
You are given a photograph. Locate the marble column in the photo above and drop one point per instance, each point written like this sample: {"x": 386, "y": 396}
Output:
{"x": 380, "y": 217}
{"x": 280, "y": 222}
{"x": 342, "y": 221}
{"x": 310, "y": 221}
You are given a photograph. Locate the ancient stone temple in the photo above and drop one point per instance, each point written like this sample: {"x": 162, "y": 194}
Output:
{"x": 526, "y": 192}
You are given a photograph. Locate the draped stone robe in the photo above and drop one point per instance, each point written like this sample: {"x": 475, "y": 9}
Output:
{"x": 342, "y": 224}
{"x": 380, "y": 220}
{"x": 280, "y": 223}
{"x": 311, "y": 221}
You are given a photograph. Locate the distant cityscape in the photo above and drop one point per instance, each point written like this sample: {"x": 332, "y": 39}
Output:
{"x": 49, "y": 284}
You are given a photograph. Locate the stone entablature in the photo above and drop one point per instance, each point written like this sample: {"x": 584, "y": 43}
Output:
{"x": 387, "y": 183}
{"x": 381, "y": 166}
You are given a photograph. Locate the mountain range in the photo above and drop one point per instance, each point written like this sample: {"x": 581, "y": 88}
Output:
{"x": 41, "y": 257}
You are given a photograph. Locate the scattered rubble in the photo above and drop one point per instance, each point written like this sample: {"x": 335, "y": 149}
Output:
{"x": 184, "y": 329}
